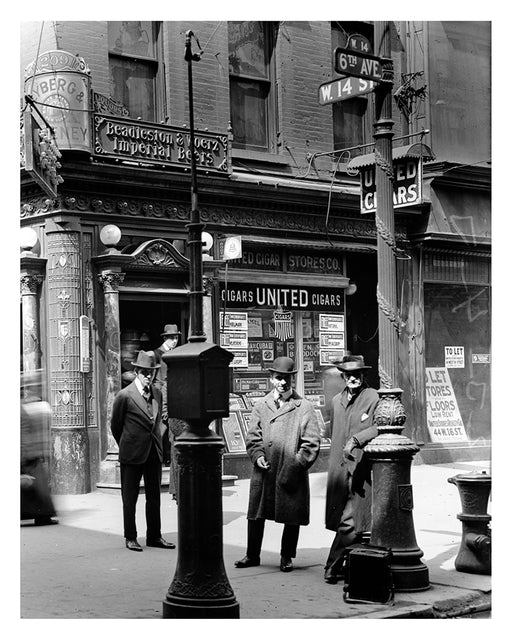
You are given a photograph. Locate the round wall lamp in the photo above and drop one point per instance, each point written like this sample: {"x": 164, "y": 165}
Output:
{"x": 351, "y": 289}
{"x": 110, "y": 235}
{"x": 28, "y": 238}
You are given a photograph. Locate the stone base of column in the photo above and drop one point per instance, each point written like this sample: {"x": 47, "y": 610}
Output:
{"x": 110, "y": 471}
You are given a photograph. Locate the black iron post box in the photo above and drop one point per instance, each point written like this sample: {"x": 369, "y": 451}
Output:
{"x": 198, "y": 381}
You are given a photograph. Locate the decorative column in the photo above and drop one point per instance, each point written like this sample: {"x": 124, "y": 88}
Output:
{"x": 391, "y": 453}
{"x": 110, "y": 281}
{"x": 30, "y": 281}
{"x": 70, "y": 472}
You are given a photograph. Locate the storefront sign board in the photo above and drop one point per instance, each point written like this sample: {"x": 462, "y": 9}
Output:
{"x": 242, "y": 295}
{"x": 135, "y": 140}
{"x": 444, "y": 421}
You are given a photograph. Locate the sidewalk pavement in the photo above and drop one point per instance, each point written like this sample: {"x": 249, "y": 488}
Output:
{"x": 81, "y": 568}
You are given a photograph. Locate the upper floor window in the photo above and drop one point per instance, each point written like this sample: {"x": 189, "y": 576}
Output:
{"x": 133, "y": 62}
{"x": 352, "y": 119}
{"x": 251, "y": 80}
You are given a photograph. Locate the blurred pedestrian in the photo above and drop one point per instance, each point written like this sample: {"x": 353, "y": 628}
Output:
{"x": 35, "y": 500}
{"x": 171, "y": 428}
{"x": 135, "y": 425}
{"x": 348, "y": 498}
{"x": 283, "y": 441}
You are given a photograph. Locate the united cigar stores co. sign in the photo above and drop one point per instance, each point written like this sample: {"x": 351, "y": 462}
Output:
{"x": 407, "y": 180}
{"x": 146, "y": 142}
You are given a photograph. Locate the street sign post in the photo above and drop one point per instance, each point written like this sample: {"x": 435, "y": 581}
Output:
{"x": 361, "y": 65}
{"x": 343, "y": 89}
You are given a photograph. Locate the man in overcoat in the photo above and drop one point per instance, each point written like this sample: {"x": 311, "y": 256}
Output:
{"x": 135, "y": 425}
{"x": 348, "y": 498}
{"x": 283, "y": 441}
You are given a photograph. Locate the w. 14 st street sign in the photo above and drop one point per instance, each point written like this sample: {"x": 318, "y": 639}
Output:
{"x": 343, "y": 89}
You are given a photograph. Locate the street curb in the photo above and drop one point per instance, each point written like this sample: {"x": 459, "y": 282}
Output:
{"x": 452, "y": 608}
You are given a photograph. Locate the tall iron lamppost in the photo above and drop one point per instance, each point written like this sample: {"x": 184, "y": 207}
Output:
{"x": 391, "y": 452}
{"x": 198, "y": 392}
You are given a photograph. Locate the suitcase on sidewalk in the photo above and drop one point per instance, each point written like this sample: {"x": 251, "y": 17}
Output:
{"x": 368, "y": 576}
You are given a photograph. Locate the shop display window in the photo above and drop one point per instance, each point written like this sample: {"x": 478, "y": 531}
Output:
{"x": 458, "y": 344}
{"x": 256, "y": 337}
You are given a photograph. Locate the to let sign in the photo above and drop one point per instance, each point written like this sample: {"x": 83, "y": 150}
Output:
{"x": 361, "y": 65}
{"x": 343, "y": 89}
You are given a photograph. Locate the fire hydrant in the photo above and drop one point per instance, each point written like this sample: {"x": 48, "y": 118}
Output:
{"x": 475, "y": 550}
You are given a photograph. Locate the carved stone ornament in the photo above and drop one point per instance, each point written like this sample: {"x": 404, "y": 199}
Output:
{"x": 111, "y": 281}
{"x": 30, "y": 283}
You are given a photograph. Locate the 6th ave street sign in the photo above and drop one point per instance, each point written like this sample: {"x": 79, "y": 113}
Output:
{"x": 361, "y": 65}
{"x": 343, "y": 89}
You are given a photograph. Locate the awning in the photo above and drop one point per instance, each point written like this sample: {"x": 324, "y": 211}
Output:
{"x": 416, "y": 150}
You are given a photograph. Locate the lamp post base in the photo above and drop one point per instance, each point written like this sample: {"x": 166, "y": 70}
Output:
{"x": 199, "y": 609}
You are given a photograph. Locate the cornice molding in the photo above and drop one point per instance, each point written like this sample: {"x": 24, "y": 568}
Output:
{"x": 249, "y": 218}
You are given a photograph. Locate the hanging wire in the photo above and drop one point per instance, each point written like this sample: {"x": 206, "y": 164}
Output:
{"x": 329, "y": 202}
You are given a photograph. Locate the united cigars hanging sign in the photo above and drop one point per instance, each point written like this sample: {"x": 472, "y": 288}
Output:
{"x": 406, "y": 185}
{"x": 246, "y": 295}
{"x": 146, "y": 142}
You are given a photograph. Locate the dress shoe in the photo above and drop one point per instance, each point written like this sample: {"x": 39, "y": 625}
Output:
{"x": 286, "y": 564}
{"x": 333, "y": 578}
{"x": 161, "y": 544}
{"x": 247, "y": 562}
{"x": 133, "y": 545}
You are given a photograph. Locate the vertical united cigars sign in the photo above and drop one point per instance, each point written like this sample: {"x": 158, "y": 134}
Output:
{"x": 146, "y": 142}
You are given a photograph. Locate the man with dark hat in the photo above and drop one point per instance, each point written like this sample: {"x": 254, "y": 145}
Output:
{"x": 135, "y": 425}
{"x": 171, "y": 336}
{"x": 348, "y": 500}
{"x": 283, "y": 441}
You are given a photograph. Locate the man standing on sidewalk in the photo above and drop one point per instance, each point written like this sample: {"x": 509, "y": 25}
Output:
{"x": 348, "y": 500}
{"x": 135, "y": 425}
{"x": 282, "y": 442}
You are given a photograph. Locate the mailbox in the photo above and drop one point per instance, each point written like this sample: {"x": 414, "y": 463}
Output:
{"x": 198, "y": 381}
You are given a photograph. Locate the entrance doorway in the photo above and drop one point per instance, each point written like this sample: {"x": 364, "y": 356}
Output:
{"x": 142, "y": 319}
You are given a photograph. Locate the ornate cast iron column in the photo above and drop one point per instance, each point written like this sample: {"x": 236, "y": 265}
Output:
{"x": 68, "y": 433}
{"x": 390, "y": 452}
{"x": 195, "y": 375}
{"x": 110, "y": 281}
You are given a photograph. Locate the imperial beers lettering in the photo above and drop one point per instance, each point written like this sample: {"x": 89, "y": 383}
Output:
{"x": 119, "y": 137}
{"x": 406, "y": 185}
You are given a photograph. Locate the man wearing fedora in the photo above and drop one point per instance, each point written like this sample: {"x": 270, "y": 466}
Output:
{"x": 171, "y": 428}
{"x": 135, "y": 425}
{"x": 348, "y": 498}
{"x": 283, "y": 441}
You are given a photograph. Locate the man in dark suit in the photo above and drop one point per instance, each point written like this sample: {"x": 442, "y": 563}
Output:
{"x": 135, "y": 425}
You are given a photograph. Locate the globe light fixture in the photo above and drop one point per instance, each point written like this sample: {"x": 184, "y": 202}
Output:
{"x": 28, "y": 238}
{"x": 110, "y": 235}
{"x": 351, "y": 289}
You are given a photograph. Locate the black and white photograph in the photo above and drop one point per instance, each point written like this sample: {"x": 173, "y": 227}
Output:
{"x": 297, "y": 428}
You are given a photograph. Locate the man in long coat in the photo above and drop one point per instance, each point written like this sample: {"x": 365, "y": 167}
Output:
{"x": 348, "y": 499}
{"x": 135, "y": 425}
{"x": 283, "y": 441}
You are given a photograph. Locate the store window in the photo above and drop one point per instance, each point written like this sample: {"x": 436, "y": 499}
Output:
{"x": 313, "y": 339}
{"x": 251, "y": 77}
{"x": 133, "y": 63}
{"x": 458, "y": 345}
{"x": 352, "y": 119}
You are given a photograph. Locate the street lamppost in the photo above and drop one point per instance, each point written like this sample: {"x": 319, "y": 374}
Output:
{"x": 198, "y": 392}
{"x": 391, "y": 452}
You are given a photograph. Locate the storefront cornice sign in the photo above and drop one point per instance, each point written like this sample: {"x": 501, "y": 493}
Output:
{"x": 292, "y": 298}
{"x": 150, "y": 143}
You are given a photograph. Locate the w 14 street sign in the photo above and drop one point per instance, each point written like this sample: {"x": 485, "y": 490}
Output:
{"x": 343, "y": 89}
{"x": 361, "y": 65}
